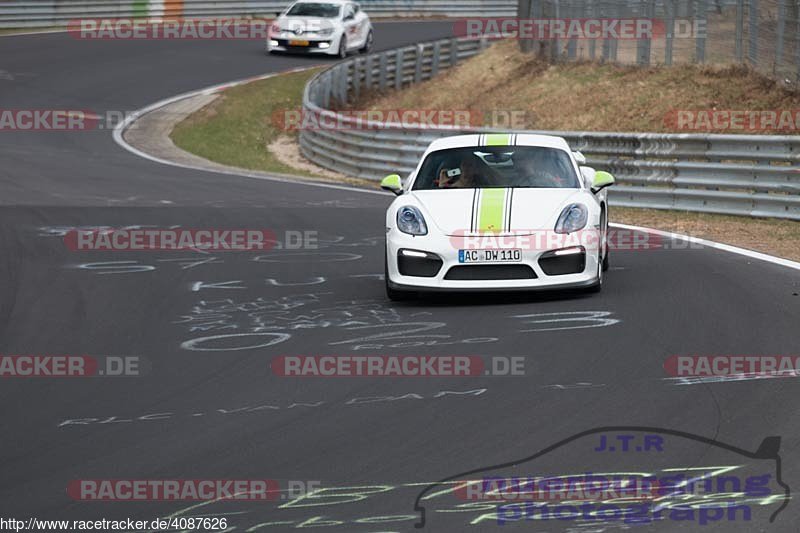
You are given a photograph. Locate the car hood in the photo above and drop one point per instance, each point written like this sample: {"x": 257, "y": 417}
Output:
{"x": 497, "y": 211}
{"x": 306, "y": 24}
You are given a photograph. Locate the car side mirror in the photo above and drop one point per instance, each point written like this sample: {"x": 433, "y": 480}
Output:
{"x": 602, "y": 179}
{"x": 579, "y": 157}
{"x": 349, "y": 16}
{"x": 278, "y": 14}
{"x": 392, "y": 183}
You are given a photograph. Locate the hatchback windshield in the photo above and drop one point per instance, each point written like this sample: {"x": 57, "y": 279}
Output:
{"x": 309, "y": 9}
{"x": 497, "y": 166}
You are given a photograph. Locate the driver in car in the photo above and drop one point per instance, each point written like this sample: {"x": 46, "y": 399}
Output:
{"x": 467, "y": 175}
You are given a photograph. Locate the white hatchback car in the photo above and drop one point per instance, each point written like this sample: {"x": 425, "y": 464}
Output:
{"x": 333, "y": 27}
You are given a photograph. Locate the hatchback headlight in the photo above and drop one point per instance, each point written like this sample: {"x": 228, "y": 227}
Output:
{"x": 410, "y": 220}
{"x": 325, "y": 31}
{"x": 572, "y": 218}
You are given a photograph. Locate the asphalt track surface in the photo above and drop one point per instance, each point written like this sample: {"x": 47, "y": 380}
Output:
{"x": 198, "y": 413}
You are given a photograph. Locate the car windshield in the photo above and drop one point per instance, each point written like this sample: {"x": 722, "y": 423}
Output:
{"x": 497, "y": 166}
{"x": 309, "y": 9}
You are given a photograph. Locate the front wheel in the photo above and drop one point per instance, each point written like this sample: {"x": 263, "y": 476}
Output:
{"x": 393, "y": 294}
{"x": 342, "y": 47}
{"x": 604, "y": 227}
{"x": 602, "y": 258}
{"x": 367, "y": 44}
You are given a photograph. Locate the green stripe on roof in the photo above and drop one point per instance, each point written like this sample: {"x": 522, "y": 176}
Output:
{"x": 498, "y": 139}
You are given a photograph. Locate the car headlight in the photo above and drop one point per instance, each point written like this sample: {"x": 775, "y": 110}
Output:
{"x": 325, "y": 31}
{"x": 572, "y": 218}
{"x": 409, "y": 220}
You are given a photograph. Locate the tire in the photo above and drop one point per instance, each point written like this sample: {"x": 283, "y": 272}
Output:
{"x": 342, "y": 54}
{"x": 602, "y": 260}
{"x": 597, "y": 287}
{"x": 393, "y": 294}
{"x": 605, "y": 243}
{"x": 367, "y": 48}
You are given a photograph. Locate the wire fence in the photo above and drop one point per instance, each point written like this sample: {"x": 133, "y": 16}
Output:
{"x": 762, "y": 33}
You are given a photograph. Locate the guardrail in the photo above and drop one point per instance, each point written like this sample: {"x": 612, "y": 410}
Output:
{"x": 43, "y": 13}
{"x": 755, "y": 175}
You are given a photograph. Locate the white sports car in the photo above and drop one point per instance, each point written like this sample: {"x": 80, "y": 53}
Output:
{"x": 497, "y": 212}
{"x": 333, "y": 27}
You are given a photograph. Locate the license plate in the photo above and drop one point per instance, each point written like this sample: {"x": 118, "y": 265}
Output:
{"x": 489, "y": 256}
{"x": 298, "y": 43}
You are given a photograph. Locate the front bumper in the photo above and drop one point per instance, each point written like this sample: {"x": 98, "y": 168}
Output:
{"x": 531, "y": 272}
{"x": 315, "y": 45}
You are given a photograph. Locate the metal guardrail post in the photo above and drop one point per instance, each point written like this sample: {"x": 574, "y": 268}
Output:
{"x": 437, "y": 56}
{"x": 356, "y": 79}
{"x": 398, "y": 69}
{"x": 343, "y": 81}
{"x": 382, "y": 71}
{"x": 453, "y": 52}
{"x": 368, "y": 72}
{"x": 418, "y": 63}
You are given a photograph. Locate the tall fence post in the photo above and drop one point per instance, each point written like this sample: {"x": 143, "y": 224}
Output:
{"x": 571, "y": 11}
{"x": 796, "y": 12}
{"x": 752, "y": 53}
{"x": 700, "y": 39}
{"x": 555, "y": 43}
{"x": 592, "y": 42}
{"x": 643, "y": 43}
{"x": 739, "y": 46}
{"x": 669, "y": 29}
{"x": 779, "y": 33}
{"x": 437, "y": 56}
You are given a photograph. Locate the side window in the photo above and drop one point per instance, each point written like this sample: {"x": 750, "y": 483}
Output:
{"x": 356, "y": 8}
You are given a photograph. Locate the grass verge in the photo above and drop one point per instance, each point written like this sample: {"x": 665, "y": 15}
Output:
{"x": 237, "y": 127}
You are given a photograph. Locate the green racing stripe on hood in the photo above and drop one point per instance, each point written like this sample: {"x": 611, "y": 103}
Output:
{"x": 491, "y": 210}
